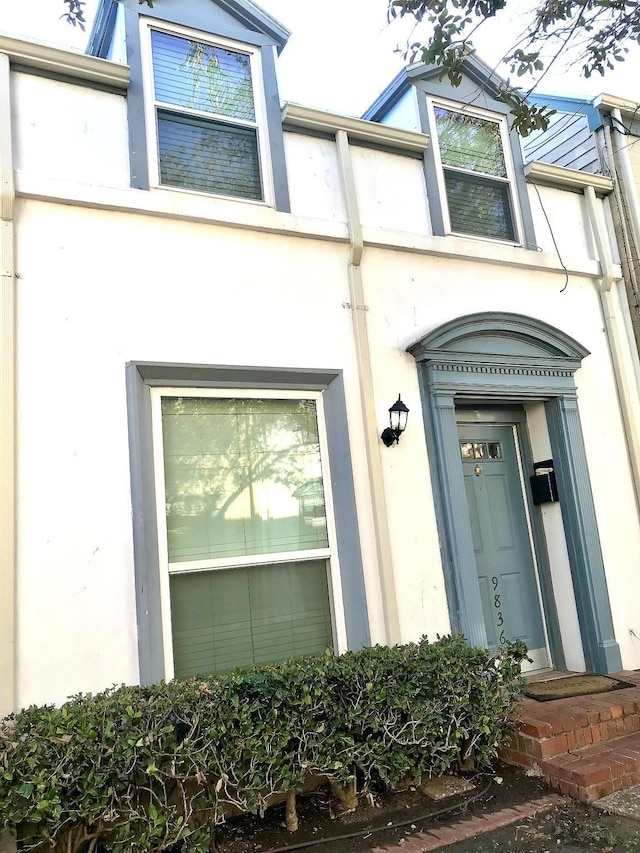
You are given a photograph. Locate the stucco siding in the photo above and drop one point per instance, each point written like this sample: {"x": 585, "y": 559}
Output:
{"x": 561, "y": 223}
{"x": 314, "y": 179}
{"x": 69, "y": 132}
{"x": 391, "y": 190}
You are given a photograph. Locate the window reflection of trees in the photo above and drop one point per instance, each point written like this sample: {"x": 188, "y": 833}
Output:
{"x": 478, "y": 194}
{"x": 210, "y": 157}
{"x": 467, "y": 142}
{"x": 220, "y": 81}
{"x": 202, "y": 77}
{"x": 242, "y": 476}
{"x": 216, "y": 152}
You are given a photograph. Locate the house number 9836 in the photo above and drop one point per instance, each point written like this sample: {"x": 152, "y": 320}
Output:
{"x": 497, "y": 603}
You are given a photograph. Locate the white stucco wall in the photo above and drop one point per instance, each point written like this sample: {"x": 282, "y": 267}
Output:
{"x": 100, "y": 287}
{"x": 561, "y": 216}
{"x": 391, "y": 190}
{"x": 314, "y": 179}
{"x": 69, "y": 132}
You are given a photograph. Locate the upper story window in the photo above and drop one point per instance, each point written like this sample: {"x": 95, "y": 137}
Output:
{"x": 476, "y": 180}
{"x": 208, "y": 125}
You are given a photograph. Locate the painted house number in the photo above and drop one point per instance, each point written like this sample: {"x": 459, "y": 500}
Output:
{"x": 497, "y": 603}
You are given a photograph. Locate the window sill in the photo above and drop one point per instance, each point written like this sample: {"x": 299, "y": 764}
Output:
{"x": 494, "y": 241}
{"x": 201, "y": 194}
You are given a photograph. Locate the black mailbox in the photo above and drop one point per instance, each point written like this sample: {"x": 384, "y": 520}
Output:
{"x": 543, "y": 483}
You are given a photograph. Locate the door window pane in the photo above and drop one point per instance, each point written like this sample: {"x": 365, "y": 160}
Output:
{"x": 244, "y": 616}
{"x": 466, "y": 449}
{"x": 495, "y": 450}
{"x": 242, "y": 477}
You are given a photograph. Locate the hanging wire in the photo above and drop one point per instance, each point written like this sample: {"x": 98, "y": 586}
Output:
{"x": 553, "y": 237}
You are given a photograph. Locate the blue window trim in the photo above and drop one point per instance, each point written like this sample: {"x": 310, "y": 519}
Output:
{"x": 140, "y": 378}
{"x": 427, "y": 83}
{"x": 269, "y": 36}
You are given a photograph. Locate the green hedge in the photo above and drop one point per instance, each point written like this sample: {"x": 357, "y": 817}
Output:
{"x": 151, "y": 768}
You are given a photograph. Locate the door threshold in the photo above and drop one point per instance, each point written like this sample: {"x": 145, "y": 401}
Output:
{"x": 549, "y": 675}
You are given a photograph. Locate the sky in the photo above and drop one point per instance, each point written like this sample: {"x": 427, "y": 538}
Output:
{"x": 341, "y": 53}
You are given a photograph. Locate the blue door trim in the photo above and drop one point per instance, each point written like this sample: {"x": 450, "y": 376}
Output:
{"x": 495, "y": 357}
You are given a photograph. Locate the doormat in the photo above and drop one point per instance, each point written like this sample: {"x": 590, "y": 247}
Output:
{"x": 573, "y": 685}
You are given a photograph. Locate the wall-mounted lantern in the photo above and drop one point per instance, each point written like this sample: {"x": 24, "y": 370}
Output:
{"x": 398, "y": 415}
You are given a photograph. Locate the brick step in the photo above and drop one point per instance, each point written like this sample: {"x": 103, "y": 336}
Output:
{"x": 536, "y": 740}
{"x": 586, "y": 746}
{"x": 547, "y": 729}
{"x": 594, "y": 771}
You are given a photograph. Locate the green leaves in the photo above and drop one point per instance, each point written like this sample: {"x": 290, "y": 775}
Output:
{"x": 148, "y": 768}
{"x": 590, "y": 33}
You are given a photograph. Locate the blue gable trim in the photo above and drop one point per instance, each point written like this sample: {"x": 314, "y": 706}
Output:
{"x": 245, "y": 12}
{"x": 256, "y": 19}
{"x": 102, "y": 30}
{"x": 389, "y": 97}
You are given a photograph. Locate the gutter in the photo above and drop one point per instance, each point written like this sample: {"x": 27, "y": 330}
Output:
{"x": 30, "y": 56}
{"x": 7, "y": 404}
{"x": 618, "y": 342}
{"x": 323, "y": 123}
{"x": 367, "y": 402}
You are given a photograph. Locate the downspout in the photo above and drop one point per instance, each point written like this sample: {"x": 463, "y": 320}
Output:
{"x": 367, "y": 403}
{"x": 621, "y": 169}
{"x": 628, "y": 177}
{"x": 7, "y": 404}
{"x": 627, "y": 390}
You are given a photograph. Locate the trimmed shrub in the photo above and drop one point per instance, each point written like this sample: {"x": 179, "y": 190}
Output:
{"x": 153, "y": 768}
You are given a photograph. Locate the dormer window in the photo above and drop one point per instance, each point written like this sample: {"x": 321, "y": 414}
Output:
{"x": 208, "y": 124}
{"x": 476, "y": 176}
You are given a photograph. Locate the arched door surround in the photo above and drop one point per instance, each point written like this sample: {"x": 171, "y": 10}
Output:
{"x": 498, "y": 358}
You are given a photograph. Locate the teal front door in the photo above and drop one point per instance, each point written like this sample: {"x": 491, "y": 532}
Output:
{"x": 502, "y": 539}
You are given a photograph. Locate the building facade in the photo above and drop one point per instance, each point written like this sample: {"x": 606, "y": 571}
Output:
{"x": 210, "y": 302}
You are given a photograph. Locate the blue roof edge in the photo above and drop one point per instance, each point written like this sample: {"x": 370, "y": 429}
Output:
{"x": 473, "y": 67}
{"x": 570, "y": 104}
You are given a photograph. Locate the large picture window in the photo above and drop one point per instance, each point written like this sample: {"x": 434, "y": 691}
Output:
{"x": 245, "y": 529}
{"x": 476, "y": 180}
{"x": 208, "y": 115}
